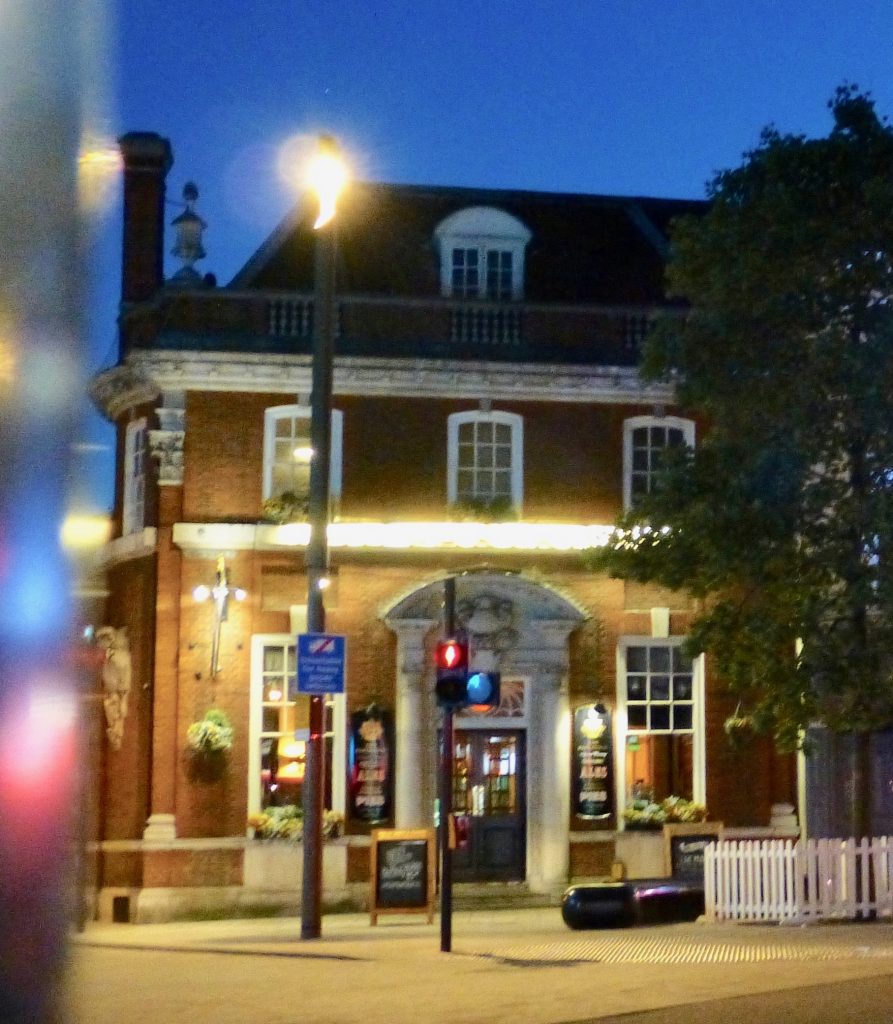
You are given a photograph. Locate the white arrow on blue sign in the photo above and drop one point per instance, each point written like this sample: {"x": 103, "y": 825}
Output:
{"x": 321, "y": 663}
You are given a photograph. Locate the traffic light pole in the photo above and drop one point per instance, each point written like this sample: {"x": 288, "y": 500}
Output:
{"x": 446, "y": 789}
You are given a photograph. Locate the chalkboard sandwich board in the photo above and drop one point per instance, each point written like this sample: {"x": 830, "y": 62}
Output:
{"x": 402, "y": 872}
{"x": 684, "y": 849}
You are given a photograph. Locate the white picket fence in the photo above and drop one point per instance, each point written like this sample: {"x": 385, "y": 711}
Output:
{"x": 780, "y": 880}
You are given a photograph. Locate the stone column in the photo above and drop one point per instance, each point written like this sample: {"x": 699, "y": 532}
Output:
{"x": 548, "y": 759}
{"x": 161, "y": 825}
{"x": 413, "y": 796}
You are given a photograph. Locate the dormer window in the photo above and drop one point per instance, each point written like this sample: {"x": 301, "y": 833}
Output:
{"x": 497, "y": 277}
{"x": 482, "y": 254}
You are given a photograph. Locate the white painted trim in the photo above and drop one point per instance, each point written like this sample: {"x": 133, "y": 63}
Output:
{"x": 633, "y": 423}
{"x": 149, "y": 371}
{"x": 515, "y": 424}
{"x": 484, "y": 228}
{"x": 133, "y": 501}
{"x": 255, "y": 721}
{"x": 277, "y": 412}
{"x": 699, "y": 726}
{"x": 125, "y": 549}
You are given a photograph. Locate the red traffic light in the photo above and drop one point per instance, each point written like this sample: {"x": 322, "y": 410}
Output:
{"x": 451, "y": 654}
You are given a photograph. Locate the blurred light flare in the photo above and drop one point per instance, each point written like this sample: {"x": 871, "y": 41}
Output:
{"x": 311, "y": 161}
{"x": 99, "y": 169}
{"x": 82, "y": 533}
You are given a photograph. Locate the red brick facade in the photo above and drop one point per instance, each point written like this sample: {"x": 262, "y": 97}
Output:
{"x": 395, "y": 466}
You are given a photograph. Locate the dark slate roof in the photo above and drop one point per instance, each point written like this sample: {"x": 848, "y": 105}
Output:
{"x": 584, "y": 248}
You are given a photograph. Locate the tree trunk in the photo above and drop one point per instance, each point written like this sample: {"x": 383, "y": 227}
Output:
{"x": 860, "y": 808}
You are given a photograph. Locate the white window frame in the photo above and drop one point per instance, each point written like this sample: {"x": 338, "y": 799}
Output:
{"x": 485, "y": 229}
{"x": 621, "y": 720}
{"x": 133, "y": 501}
{"x": 277, "y": 412}
{"x": 260, "y": 641}
{"x": 515, "y": 424}
{"x": 634, "y": 423}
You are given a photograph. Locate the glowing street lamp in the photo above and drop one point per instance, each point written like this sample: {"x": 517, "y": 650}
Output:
{"x": 327, "y": 177}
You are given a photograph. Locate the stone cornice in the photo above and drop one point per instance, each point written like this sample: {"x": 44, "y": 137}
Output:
{"x": 148, "y": 372}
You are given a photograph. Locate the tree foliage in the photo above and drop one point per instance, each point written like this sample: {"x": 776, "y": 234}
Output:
{"x": 781, "y": 519}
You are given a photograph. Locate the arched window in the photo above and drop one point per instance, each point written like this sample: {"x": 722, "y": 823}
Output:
{"x": 482, "y": 254}
{"x": 287, "y": 452}
{"x": 485, "y": 459}
{"x": 645, "y": 439}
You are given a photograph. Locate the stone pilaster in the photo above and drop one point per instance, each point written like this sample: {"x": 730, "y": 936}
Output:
{"x": 412, "y": 800}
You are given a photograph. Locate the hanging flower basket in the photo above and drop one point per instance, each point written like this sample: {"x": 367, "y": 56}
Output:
{"x": 212, "y": 734}
{"x": 208, "y": 743}
{"x": 739, "y": 728}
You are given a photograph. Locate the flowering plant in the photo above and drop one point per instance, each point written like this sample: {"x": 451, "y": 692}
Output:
{"x": 212, "y": 734}
{"x": 285, "y": 508}
{"x": 288, "y": 823}
{"x": 645, "y": 813}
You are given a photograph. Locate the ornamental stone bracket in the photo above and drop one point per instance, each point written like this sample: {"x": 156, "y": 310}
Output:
{"x": 166, "y": 444}
{"x": 166, "y": 447}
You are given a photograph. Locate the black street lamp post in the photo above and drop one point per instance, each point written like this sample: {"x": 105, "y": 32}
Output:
{"x": 327, "y": 181}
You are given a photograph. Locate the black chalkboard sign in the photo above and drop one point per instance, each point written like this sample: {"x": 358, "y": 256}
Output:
{"x": 371, "y": 765}
{"x": 402, "y": 872}
{"x": 593, "y": 774}
{"x": 684, "y": 849}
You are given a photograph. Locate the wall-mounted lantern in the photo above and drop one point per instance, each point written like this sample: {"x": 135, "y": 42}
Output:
{"x": 220, "y": 592}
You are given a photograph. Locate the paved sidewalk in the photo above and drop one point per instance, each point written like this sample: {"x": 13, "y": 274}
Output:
{"x": 505, "y": 966}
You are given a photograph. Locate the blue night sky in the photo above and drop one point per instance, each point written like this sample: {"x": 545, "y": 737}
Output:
{"x": 643, "y": 97}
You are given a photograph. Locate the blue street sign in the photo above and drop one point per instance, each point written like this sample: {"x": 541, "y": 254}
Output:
{"x": 321, "y": 663}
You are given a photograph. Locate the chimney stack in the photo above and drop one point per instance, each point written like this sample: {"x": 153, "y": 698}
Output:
{"x": 147, "y": 159}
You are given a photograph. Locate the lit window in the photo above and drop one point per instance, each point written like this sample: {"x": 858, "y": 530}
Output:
{"x": 645, "y": 440}
{"x": 133, "y": 513}
{"x": 466, "y": 276}
{"x": 279, "y": 720}
{"x": 482, "y": 254}
{"x": 659, "y": 699}
{"x": 485, "y": 459}
{"x": 288, "y": 454}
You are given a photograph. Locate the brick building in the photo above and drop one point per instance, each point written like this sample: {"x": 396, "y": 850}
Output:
{"x": 489, "y": 424}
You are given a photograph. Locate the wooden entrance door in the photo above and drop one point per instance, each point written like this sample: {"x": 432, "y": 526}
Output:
{"x": 489, "y": 784}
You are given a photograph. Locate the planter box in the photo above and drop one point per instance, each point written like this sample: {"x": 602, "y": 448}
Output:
{"x": 277, "y": 865}
{"x": 642, "y": 851}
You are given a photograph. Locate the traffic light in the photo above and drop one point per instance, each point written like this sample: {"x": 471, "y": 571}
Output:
{"x": 451, "y": 659}
{"x": 482, "y": 689}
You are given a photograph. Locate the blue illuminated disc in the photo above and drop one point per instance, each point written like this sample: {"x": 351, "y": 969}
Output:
{"x": 479, "y": 688}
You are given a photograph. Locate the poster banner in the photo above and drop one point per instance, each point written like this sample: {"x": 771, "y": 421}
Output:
{"x": 593, "y": 770}
{"x": 371, "y": 765}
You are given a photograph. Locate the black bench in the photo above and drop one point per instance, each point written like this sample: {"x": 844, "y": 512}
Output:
{"x": 637, "y": 901}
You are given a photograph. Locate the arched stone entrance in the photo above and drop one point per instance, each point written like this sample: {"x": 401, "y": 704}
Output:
{"x": 520, "y": 627}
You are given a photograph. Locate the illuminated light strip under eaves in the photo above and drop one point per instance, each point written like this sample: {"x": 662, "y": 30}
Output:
{"x": 509, "y": 536}
{"x": 400, "y": 536}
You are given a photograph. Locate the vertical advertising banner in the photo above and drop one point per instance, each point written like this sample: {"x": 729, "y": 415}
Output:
{"x": 371, "y": 783}
{"x": 593, "y": 769}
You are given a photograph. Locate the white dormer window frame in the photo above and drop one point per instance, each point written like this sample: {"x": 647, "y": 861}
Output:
{"x": 638, "y": 459}
{"x": 475, "y": 465}
{"x": 277, "y": 415}
{"x": 133, "y": 505}
{"x": 482, "y": 254}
